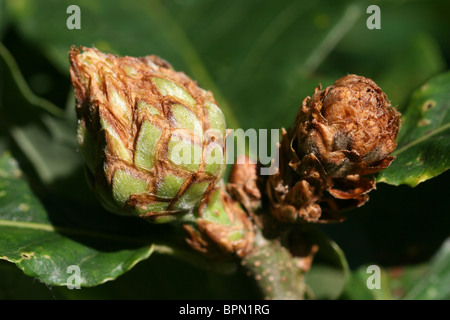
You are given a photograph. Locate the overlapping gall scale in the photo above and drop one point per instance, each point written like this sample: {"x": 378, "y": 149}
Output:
{"x": 153, "y": 141}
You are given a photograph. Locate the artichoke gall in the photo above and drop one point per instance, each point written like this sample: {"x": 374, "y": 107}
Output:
{"x": 152, "y": 140}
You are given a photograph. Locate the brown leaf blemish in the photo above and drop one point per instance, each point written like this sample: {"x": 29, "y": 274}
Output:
{"x": 428, "y": 105}
{"x": 423, "y": 122}
{"x": 27, "y": 255}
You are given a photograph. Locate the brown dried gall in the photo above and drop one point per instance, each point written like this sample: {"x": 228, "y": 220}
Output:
{"x": 341, "y": 135}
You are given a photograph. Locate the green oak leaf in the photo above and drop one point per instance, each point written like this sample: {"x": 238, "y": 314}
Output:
{"x": 45, "y": 250}
{"x": 44, "y": 133}
{"x": 423, "y": 150}
{"x": 424, "y": 281}
{"x": 433, "y": 284}
{"x": 329, "y": 271}
{"x": 417, "y": 62}
{"x": 368, "y": 282}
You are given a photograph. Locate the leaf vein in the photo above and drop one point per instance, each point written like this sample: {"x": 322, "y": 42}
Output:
{"x": 421, "y": 139}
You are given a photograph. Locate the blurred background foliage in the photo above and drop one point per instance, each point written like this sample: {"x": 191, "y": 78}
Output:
{"x": 261, "y": 59}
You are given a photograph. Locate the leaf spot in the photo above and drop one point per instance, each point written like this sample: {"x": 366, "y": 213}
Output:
{"x": 27, "y": 255}
{"x": 428, "y": 105}
{"x": 424, "y": 122}
{"x": 420, "y": 159}
{"x": 24, "y": 207}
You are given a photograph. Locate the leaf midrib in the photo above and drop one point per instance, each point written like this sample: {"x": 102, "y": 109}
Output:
{"x": 422, "y": 138}
{"x": 155, "y": 246}
{"x": 64, "y": 230}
